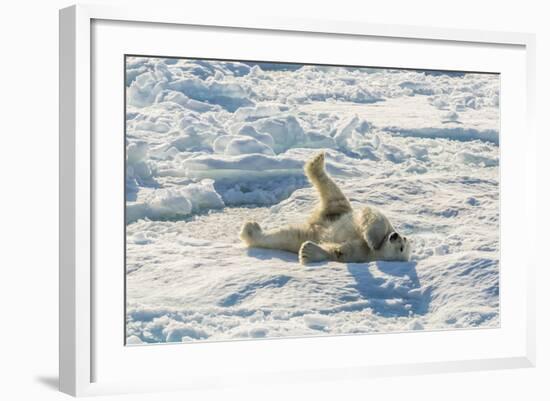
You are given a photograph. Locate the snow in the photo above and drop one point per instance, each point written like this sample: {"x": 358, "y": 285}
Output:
{"x": 165, "y": 203}
{"x": 212, "y": 144}
{"x": 239, "y": 145}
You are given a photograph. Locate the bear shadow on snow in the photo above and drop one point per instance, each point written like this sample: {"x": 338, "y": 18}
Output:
{"x": 388, "y": 297}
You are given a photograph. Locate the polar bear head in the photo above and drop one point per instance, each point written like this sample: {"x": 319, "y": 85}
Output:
{"x": 395, "y": 247}
{"x": 381, "y": 237}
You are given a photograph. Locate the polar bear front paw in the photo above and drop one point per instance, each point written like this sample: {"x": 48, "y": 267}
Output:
{"x": 250, "y": 232}
{"x": 310, "y": 252}
{"x": 316, "y": 164}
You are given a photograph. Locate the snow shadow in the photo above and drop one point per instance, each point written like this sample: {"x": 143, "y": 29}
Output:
{"x": 394, "y": 291}
{"x": 250, "y": 289}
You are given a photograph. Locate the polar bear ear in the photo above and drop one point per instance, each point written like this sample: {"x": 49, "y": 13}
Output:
{"x": 393, "y": 236}
{"x": 375, "y": 236}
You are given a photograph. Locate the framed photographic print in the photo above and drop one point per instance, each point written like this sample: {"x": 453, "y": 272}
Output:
{"x": 272, "y": 199}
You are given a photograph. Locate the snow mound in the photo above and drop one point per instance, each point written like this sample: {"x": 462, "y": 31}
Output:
{"x": 240, "y": 145}
{"x": 285, "y": 132}
{"x": 173, "y": 203}
{"x": 230, "y": 96}
{"x": 138, "y": 168}
{"x": 215, "y": 165}
{"x": 182, "y": 100}
{"x": 248, "y": 130}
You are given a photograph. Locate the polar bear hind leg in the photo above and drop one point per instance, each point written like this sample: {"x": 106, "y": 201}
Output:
{"x": 286, "y": 239}
{"x": 353, "y": 251}
{"x": 310, "y": 252}
{"x": 333, "y": 203}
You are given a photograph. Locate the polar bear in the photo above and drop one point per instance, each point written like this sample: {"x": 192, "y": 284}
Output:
{"x": 334, "y": 231}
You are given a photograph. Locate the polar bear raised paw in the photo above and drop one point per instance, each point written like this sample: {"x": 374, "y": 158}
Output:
{"x": 315, "y": 165}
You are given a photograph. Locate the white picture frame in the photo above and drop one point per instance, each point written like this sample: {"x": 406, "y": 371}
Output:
{"x": 78, "y": 319}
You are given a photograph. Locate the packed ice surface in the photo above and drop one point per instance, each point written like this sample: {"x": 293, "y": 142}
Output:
{"x": 212, "y": 144}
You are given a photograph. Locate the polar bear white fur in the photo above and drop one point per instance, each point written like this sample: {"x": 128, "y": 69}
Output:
{"x": 334, "y": 231}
